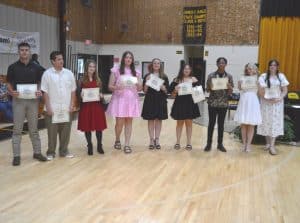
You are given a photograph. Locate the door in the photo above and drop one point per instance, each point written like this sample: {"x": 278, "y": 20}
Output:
{"x": 105, "y": 63}
{"x": 81, "y": 60}
{"x": 198, "y": 66}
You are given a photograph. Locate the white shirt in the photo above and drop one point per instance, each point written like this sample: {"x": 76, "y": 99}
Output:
{"x": 58, "y": 85}
{"x": 274, "y": 81}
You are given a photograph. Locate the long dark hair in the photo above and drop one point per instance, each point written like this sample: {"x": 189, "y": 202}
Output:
{"x": 85, "y": 78}
{"x": 132, "y": 67}
{"x": 180, "y": 73}
{"x": 269, "y": 72}
{"x": 161, "y": 69}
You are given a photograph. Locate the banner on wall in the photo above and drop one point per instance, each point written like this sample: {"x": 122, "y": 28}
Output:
{"x": 9, "y": 41}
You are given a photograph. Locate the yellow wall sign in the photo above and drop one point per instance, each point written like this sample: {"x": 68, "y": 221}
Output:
{"x": 194, "y": 25}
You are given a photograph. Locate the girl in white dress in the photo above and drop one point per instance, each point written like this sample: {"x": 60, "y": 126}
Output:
{"x": 248, "y": 113}
{"x": 272, "y": 104}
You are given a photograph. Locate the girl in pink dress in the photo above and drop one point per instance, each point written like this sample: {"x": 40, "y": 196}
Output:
{"x": 124, "y": 82}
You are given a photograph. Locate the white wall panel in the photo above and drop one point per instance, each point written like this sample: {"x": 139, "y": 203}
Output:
{"x": 237, "y": 56}
{"x": 16, "y": 19}
{"x": 142, "y": 53}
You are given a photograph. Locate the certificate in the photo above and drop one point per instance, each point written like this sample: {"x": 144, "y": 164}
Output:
{"x": 155, "y": 82}
{"x": 272, "y": 92}
{"x": 128, "y": 81}
{"x": 197, "y": 94}
{"x": 60, "y": 116}
{"x": 219, "y": 83}
{"x": 27, "y": 91}
{"x": 90, "y": 94}
{"x": 249, "y": 82}
{"x": 185, "y": 88}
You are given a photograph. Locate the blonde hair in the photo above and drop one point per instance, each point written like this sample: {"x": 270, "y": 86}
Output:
{"x": 85, "y": 78}
{"x": 252, "y": 66}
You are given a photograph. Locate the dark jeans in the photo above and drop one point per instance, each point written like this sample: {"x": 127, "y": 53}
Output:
{"x": 214, "y": 113}
{"x": 6, "y": 108}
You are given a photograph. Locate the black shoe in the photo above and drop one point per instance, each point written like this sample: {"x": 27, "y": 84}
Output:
{"x": 207, "y": 148}
{"x": 39, "y": 157}
{"x": 221, "y": 148}
{"x": 100, "y": 149}
{"x": 90, "y": 149}
{"x": 16, "y": 161}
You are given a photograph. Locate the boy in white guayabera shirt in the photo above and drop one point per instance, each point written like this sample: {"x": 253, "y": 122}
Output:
{"x": 58, "y": 85}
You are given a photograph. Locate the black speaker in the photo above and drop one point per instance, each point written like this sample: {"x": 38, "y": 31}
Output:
{"x": 105, "y": 63}
{"x": 86, "y": 3}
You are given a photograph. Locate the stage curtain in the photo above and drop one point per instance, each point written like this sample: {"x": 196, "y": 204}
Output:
{"x": 279, "y": 39}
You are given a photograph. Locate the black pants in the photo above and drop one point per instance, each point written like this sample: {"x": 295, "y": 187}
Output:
{"x": 213, "y": 113}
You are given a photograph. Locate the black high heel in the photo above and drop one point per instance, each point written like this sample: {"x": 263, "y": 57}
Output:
{"x": 157, "y": 145}
{"x": 152, "y": 144}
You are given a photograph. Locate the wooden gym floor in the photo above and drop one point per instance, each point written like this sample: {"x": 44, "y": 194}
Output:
{"x": 151, "y": 186}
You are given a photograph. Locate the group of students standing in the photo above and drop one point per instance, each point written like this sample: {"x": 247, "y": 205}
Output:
{"x": 57, "y": 86}
{"x": 125, "y": 103}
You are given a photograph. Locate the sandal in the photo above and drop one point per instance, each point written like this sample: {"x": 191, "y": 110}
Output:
{"x": 157, "y": 145}
{"x": 127, "y": 149}
{"x": 117, "y": 145}
{"x": 152, "y": 144}
{"x": 151, "y": 147}
{"x": 267, "y": 147}
{"x": 177, "y": 146}
{"x": 189, "y": 147}
{"x": 248, "y": 149}
{"x": 273, "y": 151}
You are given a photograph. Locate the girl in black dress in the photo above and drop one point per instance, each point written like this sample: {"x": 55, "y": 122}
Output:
{"x": 155, "y": 103}
{"x": 184, "y": 110}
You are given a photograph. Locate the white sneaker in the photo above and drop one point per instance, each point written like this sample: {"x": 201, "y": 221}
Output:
{"x": 50, "y": 157}
{"x": 69, "y": 155}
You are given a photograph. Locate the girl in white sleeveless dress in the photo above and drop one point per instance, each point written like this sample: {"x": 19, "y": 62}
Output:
{"x": 248, "y": 113}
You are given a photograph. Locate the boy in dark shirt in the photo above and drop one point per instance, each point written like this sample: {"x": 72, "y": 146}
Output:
{"x": 20, "y": 74}
{"x": 218, "y": 104}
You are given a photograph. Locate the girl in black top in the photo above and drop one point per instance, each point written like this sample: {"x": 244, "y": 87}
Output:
{"x": 184, "y": 110}
{"x": 155, "y": 103}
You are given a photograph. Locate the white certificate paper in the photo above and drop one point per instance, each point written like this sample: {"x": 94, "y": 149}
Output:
{"x": 60, "y": 116}
{"x": 128, "y": 81}
{"x": 272, "y": 92}
{"x": 249, "y": 82}
{"x": 90, "y": 94}
{"x": 198, "y": 94}
{"x": 185, "y": 88}
{"x": 219, "y": 83}
{"x": 27, "y": 91}
{"x": 155, "y": 82}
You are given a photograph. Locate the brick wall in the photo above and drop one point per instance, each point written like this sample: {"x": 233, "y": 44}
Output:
{"x": 229, "y": 22}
